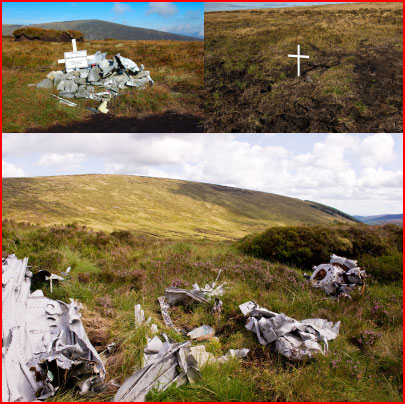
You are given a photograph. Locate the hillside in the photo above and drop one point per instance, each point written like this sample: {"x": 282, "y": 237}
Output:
{"x": 98, "y": 30}
{"x": 381, "y": 219}
{"x": 171, "y": 208}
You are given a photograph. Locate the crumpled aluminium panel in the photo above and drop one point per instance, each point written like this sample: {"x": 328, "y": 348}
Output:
{"x": 38, "y": 333}
{"x": 167, "y": 363}
{"x": 293, "y": 339}
{"x": 338, "y": 278}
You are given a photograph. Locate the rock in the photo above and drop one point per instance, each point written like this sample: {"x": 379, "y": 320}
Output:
{"x": 61, "y": 85}
{"x": 46, "y": 83}
{"x": 82, "y": 93}
{"x": 308, "y": 78}
{"x": 68, "y": 76}
{"x": 94, "y": 75}
{"x": 79, "y": 80}
{"x": 66, "y": 94}
{"x": 71, "y": 86}
{"x": 55, "y": 74}
{"x": 84, "y": 74}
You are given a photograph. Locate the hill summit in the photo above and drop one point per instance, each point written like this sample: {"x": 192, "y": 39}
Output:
{"x": 99, "y": 30}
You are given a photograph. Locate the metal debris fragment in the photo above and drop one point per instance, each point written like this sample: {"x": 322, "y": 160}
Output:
{"x": 175, "y": 296}
{"x": 171, "y": 364}
{"x": 63, "y": 101}
{"x": 218, "y": 306}
{"x": 293, "y": 339}
{"x": 202, "y": 333}
{"x": 103, "y": 107}
{"x": 338, "y": 278}
{"x": 203, "y": 357}
{"x": 39, "y": 336}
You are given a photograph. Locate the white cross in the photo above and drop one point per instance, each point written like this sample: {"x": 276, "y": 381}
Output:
{"x": 298, "y": 56}
{"x": 74, "y": 46}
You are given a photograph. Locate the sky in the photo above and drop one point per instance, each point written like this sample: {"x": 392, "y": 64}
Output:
{"x": 228, "y": 6}
{"x": 185, "y": 18}
{"x": 360, "y": 174}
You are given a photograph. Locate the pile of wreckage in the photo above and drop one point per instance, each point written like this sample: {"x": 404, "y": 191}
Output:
{"x": 338, "y": 278}
{"x": 101, "y": 80}
{"x": 46, "y": 347}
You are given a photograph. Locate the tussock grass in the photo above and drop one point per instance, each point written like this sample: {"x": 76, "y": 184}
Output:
{"x": 351, "y": 371}
{"x": 176, "y": 66}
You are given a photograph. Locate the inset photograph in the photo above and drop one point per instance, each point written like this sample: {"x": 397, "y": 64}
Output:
{"x": 103, "y": 67}
{"x": 202, "y": 268}
{"x": 303, "y": 67}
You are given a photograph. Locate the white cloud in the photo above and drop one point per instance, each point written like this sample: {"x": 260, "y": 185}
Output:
{"x": 377, "y": 149}
{"x": 196, "y": 29}
{"x": 61, "y": 161}
{"x": 10, "y": 170}
{"x": 121, "y": 8}
{"x": 164, "y": 9}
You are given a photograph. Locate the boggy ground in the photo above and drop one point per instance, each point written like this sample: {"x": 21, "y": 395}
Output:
{"x": 352, "y": 81}
{"x": 111, "y": 272}
{"x": 173, "y": 104}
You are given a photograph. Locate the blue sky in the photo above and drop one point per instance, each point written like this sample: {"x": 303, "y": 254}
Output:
{"x": 360, "y": 174}
{"x": 181, "y": 18}
{"x": 228, "y": 6}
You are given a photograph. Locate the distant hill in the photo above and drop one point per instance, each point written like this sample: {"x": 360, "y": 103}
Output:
{"x": 97, "y": 29}
{"x": 164, "y": 207}
{"x": 381, "y": 219}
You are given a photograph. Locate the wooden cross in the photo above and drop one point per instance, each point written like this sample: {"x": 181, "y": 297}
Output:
{"x": 298, "y": 56}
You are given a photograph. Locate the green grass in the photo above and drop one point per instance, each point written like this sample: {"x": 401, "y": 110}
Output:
{"x": 162, "y": 207}
{"x": 124, "y": 269}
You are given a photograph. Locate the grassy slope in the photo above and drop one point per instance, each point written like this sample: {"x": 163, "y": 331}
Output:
{"x": 171, "y": 208}
{"x": 356, "y": 82}
{"x": 111, "y": 273}
{"x": 176, "y": 66}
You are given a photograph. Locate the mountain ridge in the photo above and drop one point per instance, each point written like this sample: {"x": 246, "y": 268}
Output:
{"x": 100, "y": 30}
{"x": 381, "y": 219}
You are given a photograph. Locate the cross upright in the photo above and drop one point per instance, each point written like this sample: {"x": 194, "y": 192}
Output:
{"x": 298, "y": 56}
{"x": 74, "y": 46}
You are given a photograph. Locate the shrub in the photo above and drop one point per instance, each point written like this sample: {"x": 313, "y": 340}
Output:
{"x": 305, "y": 246}
{"x": 384, "y": 269}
